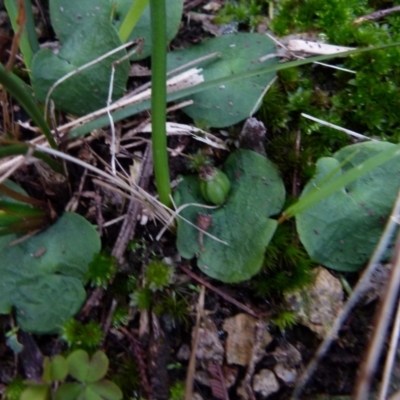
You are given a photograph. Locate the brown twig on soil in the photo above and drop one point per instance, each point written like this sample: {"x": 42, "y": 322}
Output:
{"x": 126, "y": 231}
{"x": 390, "y": 357}
{"x": 195, "y": 342}
{"x": 21, "y": 21}
{"x": 225, "y": 296}
{"x": 377, "y": 14}
{"x": 108, "y": 319}
{"x": 217, "y": 381}
{"x": 383, "y": 318}
{"x": 360, "y": 289}
{"x": 140, "y": 359}
{"x": 128, "y": 227}
{"x": 295, "y": 182}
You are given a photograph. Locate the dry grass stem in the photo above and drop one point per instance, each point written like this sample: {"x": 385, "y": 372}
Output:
{"x": 339, "y": 128}
{"x": 359, "y": 290}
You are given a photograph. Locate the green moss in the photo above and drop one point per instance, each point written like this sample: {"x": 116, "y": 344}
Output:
{"x": 101, "y": 270}
{"x": 246, "y": 12}
{"x": 177, "y": 391}
{"x": 14, "y": 389}
{"x": 82, "y": 336}
{"x": 366, "y": 101}
{"x": 287, "y": 266}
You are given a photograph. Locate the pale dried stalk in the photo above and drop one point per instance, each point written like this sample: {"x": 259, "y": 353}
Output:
{"x": 359, "y": 290}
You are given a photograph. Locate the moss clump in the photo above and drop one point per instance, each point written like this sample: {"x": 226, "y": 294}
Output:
{"x": 366, "y": 101}
{"x": 82, "y": 336}
{"x": 245, "y": 12}
{"x": 287, "y": 266}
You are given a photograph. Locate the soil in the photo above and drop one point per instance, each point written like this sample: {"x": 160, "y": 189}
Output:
{"x": 158, "y": 344}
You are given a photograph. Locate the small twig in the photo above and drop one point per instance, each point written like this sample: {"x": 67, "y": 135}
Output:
{"x": 339, "y": 128}
{"x": 140, "y": 360}
{"x": 390, "y": 357}
{"x": 383, "y": 318}
{"x": 129, "y": 225}
{"x": 217, "y": 381}
{"x": 21, "y": 21}
{"x": 109, "y": 317}
{"x": 359, "y": 290}
{"x": 225, "y": 296}
{"x": 377, "y": 14}
{"x": 295, "y": 182}
{"x": 109, "y": 101}
{"x": 192, "y": 361}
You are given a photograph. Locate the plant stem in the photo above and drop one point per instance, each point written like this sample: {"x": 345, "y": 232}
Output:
{"x": 159, "y": 99}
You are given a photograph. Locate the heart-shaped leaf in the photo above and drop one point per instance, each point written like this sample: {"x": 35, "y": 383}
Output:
{"x": 69, "y": 15}
{"x": 69, "y": 391}
{"x": 243, "y": 222}
{"x": 87, "y": 90}
{"x": 107, "y": 390}
{"x": 341, "y": 231}
{"x": 233, "y": 102}
{"x": 85, "y": 370}
{"x": 43, "y": 276}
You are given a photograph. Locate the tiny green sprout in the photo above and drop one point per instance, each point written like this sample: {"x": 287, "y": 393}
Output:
{"x": 175, "y": 305}
{"x": 14, "y": 389}
{"x": 87, "y": 336}
{"x": 120, "y": 317}
{"x": 101, "y": 270}
{"x": 198, "y": 160}
{"x": 141, "y": 298}
{"x": 173, "y": 366}
{"x": 138, "y": 248}
{"x": 285, "y": 320}
{"x": 158, "y": 275}
{"x": 177, "y": 391}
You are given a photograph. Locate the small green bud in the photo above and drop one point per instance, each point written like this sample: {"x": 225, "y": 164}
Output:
{"x": 214, "y": 185}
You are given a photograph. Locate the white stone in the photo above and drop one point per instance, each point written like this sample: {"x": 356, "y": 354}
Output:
{"x": 265, "y": 383}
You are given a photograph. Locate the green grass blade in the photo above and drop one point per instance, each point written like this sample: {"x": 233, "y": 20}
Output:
{"x": 329, "y": 188}
{"x": 131, "y": 19}
{"x": 21, "y": 210}
{"x": 103, "y": 121}
{"x": 22, "y": 93}
{"x": 25, "y": 42}
{"x": 22, "y": 149}
{"x": 30, "y": 27}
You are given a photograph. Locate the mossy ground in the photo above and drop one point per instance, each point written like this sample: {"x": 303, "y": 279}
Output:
{"x": 366, "y": 101}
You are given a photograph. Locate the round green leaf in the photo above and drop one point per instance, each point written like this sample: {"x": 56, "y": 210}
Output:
{"x": 47, "y": 287}
{"x": 342, "y": 230}
{"x": 233, "y": 102}
{"x": 85, "y": 370}
{"x": 98, "y": 366}
{"x": 257, "y": 192}
{"x": 59, "y": 368}
{"x": 90, "y": 394}
{"x": 78, "y": 365}
{"x": 36, "y": 392}
{"x": 69, "y": 391}
{"x": 69, "y": 15}
{"x": 87, "y": 90}
{"x": 108, "y": 390}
